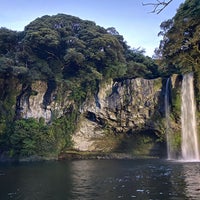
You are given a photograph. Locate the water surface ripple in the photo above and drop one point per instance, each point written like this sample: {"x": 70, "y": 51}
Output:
{"x": 149, "y": 179}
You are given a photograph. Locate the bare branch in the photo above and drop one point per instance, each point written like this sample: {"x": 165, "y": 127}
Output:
{"x": 158, "y": 6}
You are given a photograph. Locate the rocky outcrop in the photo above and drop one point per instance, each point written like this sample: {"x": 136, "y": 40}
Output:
{"x": 41, "y": 100}
{"x": 30, "y": 102}
{"x": 132, "y": 105}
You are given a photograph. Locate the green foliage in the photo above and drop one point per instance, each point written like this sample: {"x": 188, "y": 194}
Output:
{"x": 63, "y": 45}
{"x": 5, "y": 64}
{"x": 31, "y": 137}
{"x": 176, "y": 103}
{"x": 8, "y": 93}
{"x": 176, "y": 142}
{"x": 63, "y": 128}
{"x": 28, "y": 137}
{"x": 180, "y": 46}
{"x": 157, "y": 84}
{"x": 8, "y": 40}
{"x": 139, "y": 65}
{"x": 116, "y": 71}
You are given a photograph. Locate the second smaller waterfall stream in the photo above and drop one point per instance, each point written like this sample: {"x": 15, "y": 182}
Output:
{"x": 171, "y": 154}
{"x": 167, "y": 120}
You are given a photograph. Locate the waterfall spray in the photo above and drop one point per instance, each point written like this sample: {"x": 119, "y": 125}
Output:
{"x": 190, "y": 145}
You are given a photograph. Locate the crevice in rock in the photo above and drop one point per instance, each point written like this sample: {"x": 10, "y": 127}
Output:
{"x": 47, "y": 99}
{"x": 22, "y": 97}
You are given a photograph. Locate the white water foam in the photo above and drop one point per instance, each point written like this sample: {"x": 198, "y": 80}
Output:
{"x": 190, "y": 144}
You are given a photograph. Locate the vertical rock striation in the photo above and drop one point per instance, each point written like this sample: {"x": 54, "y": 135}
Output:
{"x": 132, "y": 105}
{"x": 40, "y": 100}
{"x": 30, "y": 102}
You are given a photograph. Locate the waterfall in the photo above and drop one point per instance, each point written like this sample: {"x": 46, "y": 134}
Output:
{"x": 170, "y": 149}
{"x": 190, "y": 145}
{"x": 167, "y": 118}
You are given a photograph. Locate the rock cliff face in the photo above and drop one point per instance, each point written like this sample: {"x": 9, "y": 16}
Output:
{"x": 131, "y": 106}
{"x": 134, "y": 105}
{"x": 40, "y": 100}
{"x": 30, "y": 102}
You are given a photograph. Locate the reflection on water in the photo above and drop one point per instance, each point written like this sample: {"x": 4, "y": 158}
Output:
{"x": 36, "y": 181}
{"x": 191, "y": 173}
{"x": 100, "y": 179}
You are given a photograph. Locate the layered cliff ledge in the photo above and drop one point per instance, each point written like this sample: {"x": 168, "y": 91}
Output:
{"x": 127, "y": 107}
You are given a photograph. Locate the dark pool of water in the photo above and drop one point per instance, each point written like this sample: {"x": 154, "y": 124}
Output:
{"x": 100, "y": 179}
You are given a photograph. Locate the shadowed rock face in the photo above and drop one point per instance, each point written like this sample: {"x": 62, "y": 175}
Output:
{"x": 32, "y": 105}
{"x": 120, "y": 107}
{"x": 39, "y": 100}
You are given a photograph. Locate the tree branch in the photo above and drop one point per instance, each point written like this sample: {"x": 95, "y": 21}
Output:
{"x": 158, "y": 6}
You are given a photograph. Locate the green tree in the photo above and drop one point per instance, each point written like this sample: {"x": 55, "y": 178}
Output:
{"x": 8, "y": 40}
{"x": 180, "y": 47}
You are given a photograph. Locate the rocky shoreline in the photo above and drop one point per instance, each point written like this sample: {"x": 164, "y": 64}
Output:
{"x": 76, "y": 155}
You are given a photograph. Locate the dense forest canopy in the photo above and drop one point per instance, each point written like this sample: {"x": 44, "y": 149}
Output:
{"x": 63, "y": 46}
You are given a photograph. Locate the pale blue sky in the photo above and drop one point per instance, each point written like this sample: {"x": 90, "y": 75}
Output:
{"x": 132, "y": 20}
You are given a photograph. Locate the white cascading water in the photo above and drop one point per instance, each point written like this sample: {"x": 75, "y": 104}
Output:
{"x": 167, "y": 119}
{"x": 190, "y": 144}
